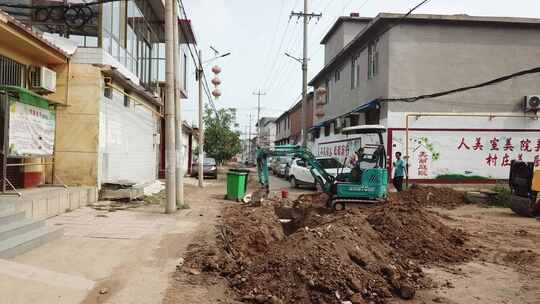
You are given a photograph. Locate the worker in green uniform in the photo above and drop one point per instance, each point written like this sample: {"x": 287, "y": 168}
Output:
{"x": 399, "y": 172}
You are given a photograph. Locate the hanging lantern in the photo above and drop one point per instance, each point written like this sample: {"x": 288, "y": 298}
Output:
{"x": 216, "y": 69}
{"x": 216, "y": 93}
{"x": 216, "y": 81}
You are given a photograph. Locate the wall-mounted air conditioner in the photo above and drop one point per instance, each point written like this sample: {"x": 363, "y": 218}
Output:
{"x": 531, "y": 103}
{"x": 43, "y": 80}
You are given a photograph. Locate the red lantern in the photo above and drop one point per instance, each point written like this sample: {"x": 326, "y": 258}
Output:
{"x": 216, "y": 81}
{"x": 216, "y": 69}
{"x": 216, "y": 93}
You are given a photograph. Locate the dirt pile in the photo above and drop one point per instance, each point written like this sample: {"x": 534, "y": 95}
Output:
{"x": 418, "y": 234}
{"x": 428, "y": 196}
{"x": 299, "y": 252}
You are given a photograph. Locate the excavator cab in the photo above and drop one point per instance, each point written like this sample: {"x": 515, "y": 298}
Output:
{"x": 369, "y": 178}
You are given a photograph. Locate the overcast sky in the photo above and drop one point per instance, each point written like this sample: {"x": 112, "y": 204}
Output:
{"x": 258, "y": 32}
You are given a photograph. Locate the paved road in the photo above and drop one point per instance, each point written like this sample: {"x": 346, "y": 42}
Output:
{"x": 277, "y": 184}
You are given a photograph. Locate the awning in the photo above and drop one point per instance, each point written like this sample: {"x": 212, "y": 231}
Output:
{"x": 28, "y": 97}
{"x": 374, "y": 104}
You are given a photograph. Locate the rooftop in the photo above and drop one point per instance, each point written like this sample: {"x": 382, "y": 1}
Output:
{"x": 382, "y": 20}
{"x": 340, "y": 21}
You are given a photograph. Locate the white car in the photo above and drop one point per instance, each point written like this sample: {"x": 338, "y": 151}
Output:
{"x": 299, "y": 174}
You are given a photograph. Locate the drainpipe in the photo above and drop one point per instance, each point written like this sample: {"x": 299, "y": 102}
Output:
{"x": 418, "y": 115}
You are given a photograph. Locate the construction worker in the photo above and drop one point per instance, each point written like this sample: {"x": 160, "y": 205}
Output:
{"x": 399, "y": 172}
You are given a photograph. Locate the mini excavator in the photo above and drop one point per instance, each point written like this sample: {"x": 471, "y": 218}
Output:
{"x": 368, "y": 184}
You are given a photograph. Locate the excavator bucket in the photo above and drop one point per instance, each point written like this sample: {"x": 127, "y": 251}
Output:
{"x": 521, "y": 205}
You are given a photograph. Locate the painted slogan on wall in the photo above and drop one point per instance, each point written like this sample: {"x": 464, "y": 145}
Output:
{"x": 466, "y": 154}
{"x": 31, "y": 130}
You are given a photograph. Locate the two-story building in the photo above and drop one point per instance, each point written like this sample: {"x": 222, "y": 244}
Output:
{"x": 289, "y": 124}
{"x": 467, "y": 136}
{"x": 113, "y": 127}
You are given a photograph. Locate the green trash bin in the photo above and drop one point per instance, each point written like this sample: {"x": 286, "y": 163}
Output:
{"x": 236, "y": 184}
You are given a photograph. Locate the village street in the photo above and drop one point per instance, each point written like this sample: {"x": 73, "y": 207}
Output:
{"x": 126, "y": 256}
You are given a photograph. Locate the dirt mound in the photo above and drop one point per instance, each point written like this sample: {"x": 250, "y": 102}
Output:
{"x": 300, "y": 252}
{"x": 330, "y": 263}
{"x": 428, "y": 196}
{"x": 418, "y": 234}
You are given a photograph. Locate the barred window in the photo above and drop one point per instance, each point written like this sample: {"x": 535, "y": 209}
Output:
{"x": 11, "y": 72}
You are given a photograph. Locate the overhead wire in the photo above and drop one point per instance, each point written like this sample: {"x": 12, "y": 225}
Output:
{"x": 197, "y": 60}
{"x": 497, "y": 80}
{"x": 273, "y": 38}
{"x": 278, "y": 55}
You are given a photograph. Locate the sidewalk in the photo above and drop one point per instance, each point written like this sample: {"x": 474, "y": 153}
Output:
{"x": 109, "y": 257}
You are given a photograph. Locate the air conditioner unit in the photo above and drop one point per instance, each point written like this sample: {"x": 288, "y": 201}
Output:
{"x": 532, "y": 103}
{"x": 43, "y": 80}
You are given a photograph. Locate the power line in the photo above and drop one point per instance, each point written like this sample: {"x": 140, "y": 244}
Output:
{"x": 197, "y": 61}
{"x": 275, "y": 34}
{"x": 463, "y": 89}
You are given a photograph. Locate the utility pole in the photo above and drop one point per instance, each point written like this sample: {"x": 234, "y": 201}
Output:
{"x": 170, "y": 156}
{"x": 201, "y": 122}
{"x": 259, "y": 94}
{"x": 178, "y": 114}
{"x": 307, "y": 17}
{"x": 249, "y": 138}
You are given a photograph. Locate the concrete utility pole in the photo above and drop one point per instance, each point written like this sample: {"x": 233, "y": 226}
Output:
{"x": 170, "y": 157}
{"x": 201, "y": 122}
{"x": 307, "y": 17}
{"x": 259, "y": 94}
{"x": 249, "y": 138}
{"x": 178, "y": 114}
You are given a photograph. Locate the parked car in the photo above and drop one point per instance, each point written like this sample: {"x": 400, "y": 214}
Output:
{"x": 299, "y": 174}
{"x": 279, "y": 165}
{"x": 209, "y": 168}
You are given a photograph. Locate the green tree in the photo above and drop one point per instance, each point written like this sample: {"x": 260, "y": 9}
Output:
{"x": 220, "y": 141}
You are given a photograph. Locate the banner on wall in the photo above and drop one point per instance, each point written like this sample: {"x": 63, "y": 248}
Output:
{"x": 478, "y": 154}
{"x": 344, "y": 148}
{"x": 31, "y": 130}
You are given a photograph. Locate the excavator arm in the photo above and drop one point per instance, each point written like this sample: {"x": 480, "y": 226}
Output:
{"x": 322, "y": 177}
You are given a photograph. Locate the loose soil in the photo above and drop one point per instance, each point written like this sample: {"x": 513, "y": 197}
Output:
{"x": 425, "y": 244}
{"x": 299, "y": 252}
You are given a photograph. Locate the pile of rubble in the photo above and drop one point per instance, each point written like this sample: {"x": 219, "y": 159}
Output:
{"x": 298, "y": 252}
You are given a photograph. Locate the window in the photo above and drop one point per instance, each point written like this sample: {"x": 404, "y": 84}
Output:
{"x": 184, "y": 72}
{"x": 337, "y": 75}
{"x": 326, "y": 130}
{"x": 373, "y": 116}
{"x": 126, "y": 99}
{"x": 107, "y": 92}
{"x": 354, "y": 120}
{"x": 373, "y": 59}
{"x": 317, "y": 132}
{"x": 327, "y": 96}
{"x": 355, "y": 71}
{"x": 11, "y": 72}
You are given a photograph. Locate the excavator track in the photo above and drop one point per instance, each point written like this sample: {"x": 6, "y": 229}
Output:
{"x": 521, "y": 205}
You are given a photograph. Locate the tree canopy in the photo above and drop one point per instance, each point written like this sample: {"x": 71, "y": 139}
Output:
{"x": 220, "y": 141}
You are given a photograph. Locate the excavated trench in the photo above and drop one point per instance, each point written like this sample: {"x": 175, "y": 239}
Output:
{"x": 299, "y": 252}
